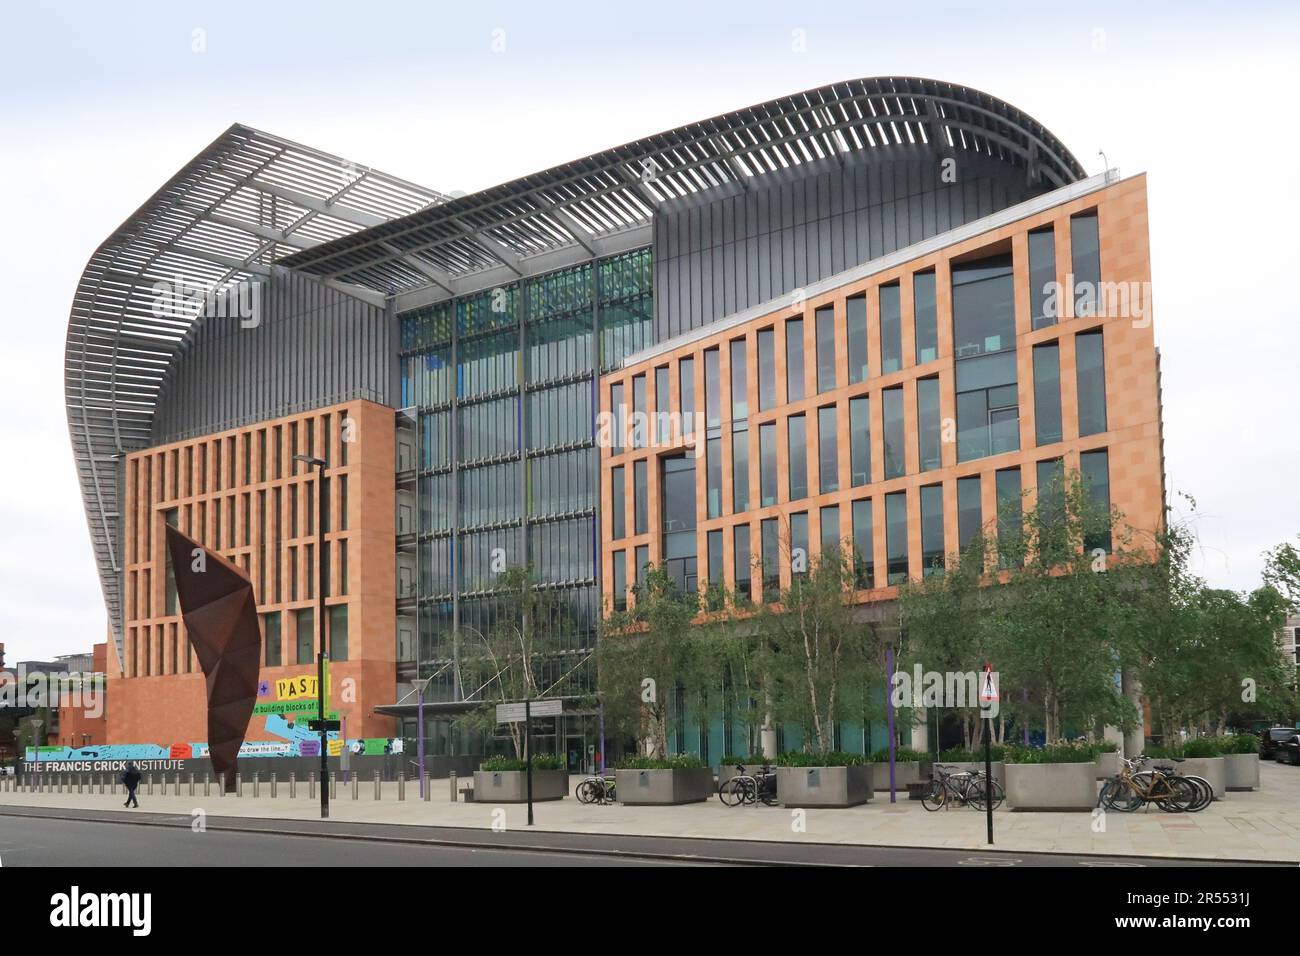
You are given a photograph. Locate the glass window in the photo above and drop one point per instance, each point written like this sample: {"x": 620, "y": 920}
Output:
{"x": 891, "y": 329}
{"x": 794, "y": 367}
{"x": 1085, "y": 256}
{"x": 739, "y": 381}
{"x": 798, "y": 454}
{"x": 1043, "y": 304}
{"x": 970, "y": 513}
{"x": 712, "y": 389}
{"x": 766, "y": 369}
{"x": 828, "y": 449}
{"x": 663, "y": 405}
{"x": 895, "y": 460}
{"x": 1051, "y": 490}
{"x": 715, "y": 558}
{"x": 799, "y": 544}
{"x": 617, "y": 505}
{"x": 619, "y": 412}
{"x": 338, "y": 618}
{"x": 771, "y": 544}
{"x": 864, "y": 549}
{"x": 713, "y": 475}
{"x": 1047, "y": 393}
{"x": 932, "y": 530}
{"x": 306, "y": 634}
{"x": 830, "y": 529}
{"x": 983, "y": 307}
{"x": 686, "y": 394}
{"x": 639, "y": 429}
{"x": 642, "y": 554}
{"x": 767, "y": 485}
{"x": 1090, "y": 365}
{"x": 925, "y": 311}
{"x": 740, "y": 467}
{"x": 1094, "y": 468}
{"x": 639, "y": 497}
{"x": 896, "y": 536}
{"x": 741, "y": 557}
{"x": 856, "y": 322}
{"x": 826, "y": 378}
{"x": 928, "y": 423}
{"x": 1010, "y": 511}
{"x": 677, "y": 504}
{"x": 272, "y": 639}
{"x": 620, "y": 580}
{"x": 860, "y": 439}
{"x": 988, "y": 406}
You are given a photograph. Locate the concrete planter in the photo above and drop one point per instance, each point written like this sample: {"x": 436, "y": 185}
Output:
{"x": 664, "y": 787}
{"x": 1213, "y": 769}
{"x": 905, "y": 772}
{"x": 1107, "y": 765}
{"x": 999, "y": 768}
{"x": 1052, "y": 786}
{"x": 825, "y": 786}
{"x": 1241, "y": 771}
{"x": 511, "y": 786}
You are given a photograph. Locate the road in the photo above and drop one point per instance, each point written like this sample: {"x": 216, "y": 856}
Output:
{"x": 83, "y": 838}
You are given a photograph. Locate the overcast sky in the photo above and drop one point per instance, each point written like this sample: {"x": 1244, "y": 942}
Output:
{"x": 100, "y": 106}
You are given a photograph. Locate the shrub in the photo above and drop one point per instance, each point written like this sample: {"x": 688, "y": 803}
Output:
{"x": 540, "y": 762}
{"x": 1106, "y": 747}
{"x": 677, "y": 762}
{"x": 830, "y": 758}
{"x": 962, "y": 755}
{"x": 1056, "y": 753}
{"x": 1240, "y": 744}
{"x": 1203, "y": 747}
{"x": 901, "y": 755}
{"x": 753, "y": 760}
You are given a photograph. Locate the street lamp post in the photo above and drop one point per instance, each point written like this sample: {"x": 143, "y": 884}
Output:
{"x": 420, "y": 684}
{"x": 319, "y": 465}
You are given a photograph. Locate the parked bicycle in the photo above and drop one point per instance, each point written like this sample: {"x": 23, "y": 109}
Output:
{"x": 1134, "y": 787}
{"x": 952, "y": 787}
{"x": 749, "y": 788}
{"x": 599, "y": 789}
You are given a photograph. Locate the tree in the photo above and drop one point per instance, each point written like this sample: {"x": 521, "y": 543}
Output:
{"x": 1282, "y": 572}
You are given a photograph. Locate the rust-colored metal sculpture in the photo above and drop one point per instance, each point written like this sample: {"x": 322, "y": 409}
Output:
{"x": 220, "y": 615}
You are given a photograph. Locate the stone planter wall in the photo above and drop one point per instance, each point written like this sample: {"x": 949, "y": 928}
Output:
{"x": 1107, "y": 765}
{"x": 511, "y": 786}
{"x": 1052, "y": 786}
{"x": 1212, "y": 769}
{"x": 664, "y": 787}
{"x": 905, "y": 772}
{"x": 1241, "y": 771}
{"x": 825, "y": 786}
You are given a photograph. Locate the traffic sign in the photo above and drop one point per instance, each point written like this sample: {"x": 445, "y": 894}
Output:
{"x": 514, "y": 713}
{"x": 989, "y": 686}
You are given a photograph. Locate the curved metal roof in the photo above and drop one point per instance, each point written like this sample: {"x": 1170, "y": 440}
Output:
{"x": 243, "y": 204}
{"x": 589, "y": 200}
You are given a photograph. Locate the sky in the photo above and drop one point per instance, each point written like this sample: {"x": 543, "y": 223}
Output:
{"x": 100, "y": 104}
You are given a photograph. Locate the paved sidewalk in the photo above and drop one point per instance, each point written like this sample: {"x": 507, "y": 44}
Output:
{"x": 1260, "y": 825}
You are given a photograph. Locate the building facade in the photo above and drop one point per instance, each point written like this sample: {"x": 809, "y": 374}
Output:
{"x": 825, "y": 279}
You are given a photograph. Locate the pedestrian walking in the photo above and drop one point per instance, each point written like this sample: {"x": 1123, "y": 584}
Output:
{"x": 131, "y": 780}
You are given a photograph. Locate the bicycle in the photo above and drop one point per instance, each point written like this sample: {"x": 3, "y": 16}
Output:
{"x": 967, "y": 787}
{"x": 1205, "y": 790}
{"x": 749, "y": 787}
{"x": 600, "y": 790}
{"x": 1133, "y": 788}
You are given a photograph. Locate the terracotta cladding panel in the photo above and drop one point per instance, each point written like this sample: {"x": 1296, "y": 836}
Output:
{"x": 1136, "y": 465}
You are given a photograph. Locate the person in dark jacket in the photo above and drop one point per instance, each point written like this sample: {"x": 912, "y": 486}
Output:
{"x": 131, "y": 780}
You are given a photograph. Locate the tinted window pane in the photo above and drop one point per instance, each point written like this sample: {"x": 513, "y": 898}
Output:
{"x": 677, "y": 494}
{"x": 828, "y": 452}
{"x": 742, "y": 559}
{"x": 924, "y": 309}
{"x": 983, "y": 307}
{"x": 712, "y": 393}
{"x": 856, "y": 319}
{"x": 1051, "y": 490}
{"x": 970, "y": 516}
{"x": 767, "y": 463}
{"x": 1010, "y": 509}
{"x": 794, "y": 368}
{"x": 891, "y": 329}
{"x": 620, "y": 580}
{"x": 739, "y": 381}
{"x": 798, "y": 454}
{"x": 799, "y": 562}
{"x": 618, "y": 512}
{"x": 663, "y": 405}
{"x": 932, "y": 530}
{"x": 639, "y": 496}
{"x": 1047, "y": 393}
{"x": 639, "y": 430}
{"x": 715, "y": 557}
{"x": 771, "y": 545}
{"x": 860, "y": 439}
{"x": 1043, "y": 305}
{"x": 1090, "y": 362}
{"x": 766, "y": 369}
{"x": 713, "y": 476}
{"x": 1085, "y": 255}
{"x": 928, "y": 423}
{"x": 740, "y": 470}
{"x": 1094, "y": 468}
{"x": 895, "y": 463}
{"x": 896, "y": 536}
{"x": 826, "y": 379}
{"x": 864, "y": 557}
{"x": 686, "y": 393}
{"x": 619, "y": 413}
{"x": 830, "y": 529}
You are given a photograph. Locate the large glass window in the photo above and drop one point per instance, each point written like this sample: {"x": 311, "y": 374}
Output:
{"x": 620, "y": 580}
{"x": 1090, "y": 365}
{"x": 742, "y": 560}
{"x": 617, "y": 505}
{"x": 639, "y": 492}
{"x": 686, "y": 394}
{"x": 1047, "y": 393}
{"x": 1043, "y": 305}
{"x": 272, "y": 639}
{"x": 663, "y": 405}
{"x": 771, "y": 544}
{"x": 677, "y": 505}
{"x": 925, "y": 310}
{"x": 864, "y": 549}
{"x": 988, "y": 406}
{"x": 618, "y": 411}
{"x": 338, "y": 618}
{"x": 767, "y": 487}
{"x": 856, "y": 323}
{"x": 794, "y": 361}
{"x": 713, "y": 476}
{"x": 1051, "y": 491}
{"x": 639, "y": 423}
{"x": 715, "y": 557}
{"x": 740, "y": 467}
{"x": 642, "y": 560}
{"x": 798, "y": 454}
{"x": 896, "y": 536}
{"x": 970, "y": 513}
{"x": 1085, "y": 256}
{"x": 830, "y": 529}
{"x": 305, "y": 622}
{"x": 1094, "y": 468}
{"x": 891, "y": 329}
{"x": 860, "y": 439}
{"x": 932, "y": 530}
{"x": 928, "y": 423}
{"x": 895, "y": 458}
{"x": 983, "y": 307}
{"x": 739, "y": 381}
{"x": 712, "y": 389}
{"x": 799, "y": 560}
{"x": 826, "y": 357}
{"x": 1010, "y": 512}
{"x": 766, "y": 369}
{"x": 828, "y": 449}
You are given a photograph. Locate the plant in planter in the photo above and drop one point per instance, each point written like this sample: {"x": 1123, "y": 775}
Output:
{"x": 908, "y": 767}
{"x": 664, "y": 781}
{"x": 504, "y": 779}
{"x": 826, "y": 779}
{"x": 1200, "y": 757}
{"x": 1056, "y": 777}
{"x": 1240, "y": 761}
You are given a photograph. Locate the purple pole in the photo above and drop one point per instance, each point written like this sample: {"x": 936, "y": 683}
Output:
{"x": 889, "y": 709}
{"x": 600, "y": 761}
{"x": 420, "y": 737}
{"x": 1024, "y": 695}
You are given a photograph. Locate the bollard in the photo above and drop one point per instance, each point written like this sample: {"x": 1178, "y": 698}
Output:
{"x": 293, "y": 784}
{"x": 207, "y": 782}
{"x": 150, "y": 790}
{"x": 176, "y": 785}
{"x": 401, "y": 785}
{"x": 334, "y": 784}
{"x": 101, "y": 784}
{"x": 257, "y": 777}
{"x": 356, "y": 785}
{"x": 452, "y": 779}
{"x": 191, "y": 783}
{"x": 239, "y": 784}
{"x": 377, "y": 785}
{"x": 80, "y": 784}
{"x": 311, "y": 785}
{"x": 428, "y": 789}
{"x": 273, "y": 782}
